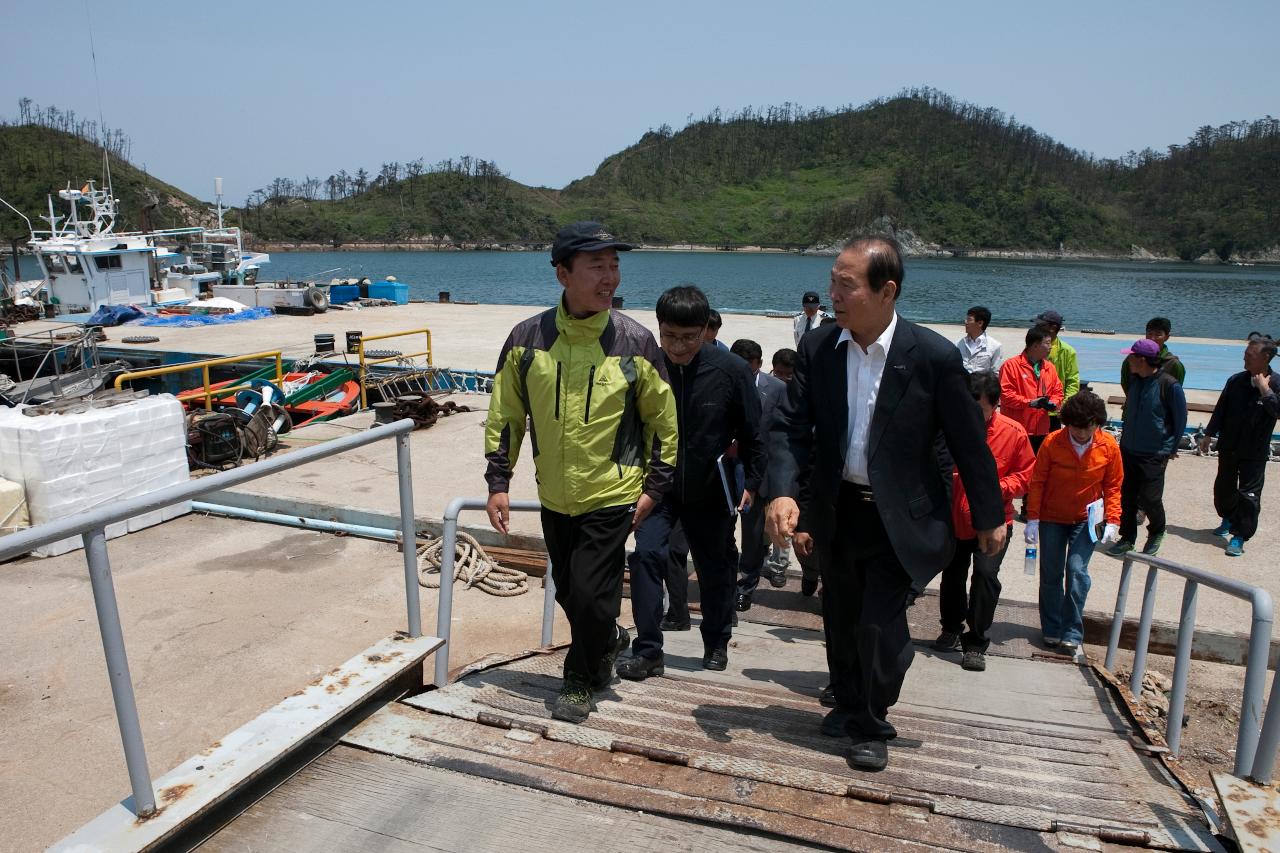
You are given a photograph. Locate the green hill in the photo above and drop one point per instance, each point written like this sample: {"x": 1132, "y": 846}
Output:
{"x": 37, "y": 161}
{"x": 956, "y": 175}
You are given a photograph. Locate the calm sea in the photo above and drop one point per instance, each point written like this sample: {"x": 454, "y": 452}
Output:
{"x": 1218, "y": 302}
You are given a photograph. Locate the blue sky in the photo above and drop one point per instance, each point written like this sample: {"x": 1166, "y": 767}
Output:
{"x": 251, "y": 91}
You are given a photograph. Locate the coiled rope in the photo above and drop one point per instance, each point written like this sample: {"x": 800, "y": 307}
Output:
{"x": 472, "y": 565}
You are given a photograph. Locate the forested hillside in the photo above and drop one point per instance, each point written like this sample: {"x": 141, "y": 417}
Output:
{"x": 48, "y": 148}
{"x": 957, "y": 176}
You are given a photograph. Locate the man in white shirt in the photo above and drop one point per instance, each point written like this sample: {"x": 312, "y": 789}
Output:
{"x": 811, "y": 317}
{"x": 855, "y": 442}
{"x": 979, "y": 352}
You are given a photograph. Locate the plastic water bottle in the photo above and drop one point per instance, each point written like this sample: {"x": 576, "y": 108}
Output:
{"x": 1029, "y": 562}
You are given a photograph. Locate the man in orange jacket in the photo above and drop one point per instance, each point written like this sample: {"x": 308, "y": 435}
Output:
{"x": 1014, "y": 461}
{"x": 1029, "y": 386}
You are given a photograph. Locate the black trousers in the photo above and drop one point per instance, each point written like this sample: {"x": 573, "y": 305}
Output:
{"x": 705, "y": 529}
{"x": 979, "y": 608}
{"x": 754, "y": 547}
{"x": 678, "y": 576}
{"x": 864, "y": 611}
{"x": 1142, "y": 489}
{"x": 1237, "y": 492}
{"x": 587, "y": 556}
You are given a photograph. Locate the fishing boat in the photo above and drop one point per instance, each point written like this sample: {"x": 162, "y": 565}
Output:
{"x": 308, "y": 397}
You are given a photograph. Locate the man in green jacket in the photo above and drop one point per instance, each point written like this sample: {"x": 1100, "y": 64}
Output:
{"x": 1159, "y": 329}
{"x": 590, "y": 387}
{"x": 1063, "y": 358}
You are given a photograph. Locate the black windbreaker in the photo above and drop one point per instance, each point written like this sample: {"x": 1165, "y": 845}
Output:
{"x": 716, "y": 404}
{"x": 1243, "y": 419}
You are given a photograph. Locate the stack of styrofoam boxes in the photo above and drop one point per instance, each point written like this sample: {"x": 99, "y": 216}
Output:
{"x": 13, "y": 508}
{"x": 71, "y": 463}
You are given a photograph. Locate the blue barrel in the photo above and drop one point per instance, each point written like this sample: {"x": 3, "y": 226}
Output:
{"x": 396, "y": 291}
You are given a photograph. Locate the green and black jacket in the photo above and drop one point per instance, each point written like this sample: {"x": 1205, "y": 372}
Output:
{"x": 600, "y": 414}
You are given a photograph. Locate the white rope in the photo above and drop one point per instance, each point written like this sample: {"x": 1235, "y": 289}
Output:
{"x": 472, "y": 565}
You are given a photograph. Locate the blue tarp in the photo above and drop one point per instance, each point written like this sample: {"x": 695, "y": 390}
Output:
{"x": 187, "y": 321}
{"x": 113, "y": 315}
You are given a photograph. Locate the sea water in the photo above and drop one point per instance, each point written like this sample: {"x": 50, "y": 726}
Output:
{"x": 1202, "y": 301}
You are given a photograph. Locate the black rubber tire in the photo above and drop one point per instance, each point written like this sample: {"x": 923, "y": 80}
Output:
{"x": 139, "y": 339}
{"x": 316, "y": 298}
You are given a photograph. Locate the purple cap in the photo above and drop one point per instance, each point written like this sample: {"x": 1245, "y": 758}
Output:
{"x": 1144, "y": 348}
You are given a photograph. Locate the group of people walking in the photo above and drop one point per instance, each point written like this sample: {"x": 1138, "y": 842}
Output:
{"x": 882, "y": 454}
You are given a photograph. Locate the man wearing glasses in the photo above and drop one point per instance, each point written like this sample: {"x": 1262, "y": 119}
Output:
{"x": 716, "y": 404}
{"x": 1243, "y": 420}
{"x": 590, "y": 387}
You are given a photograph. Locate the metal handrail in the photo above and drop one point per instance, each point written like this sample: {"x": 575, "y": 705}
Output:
{"x": 203, "y": 366}
{"x": 92, "y": 524}
{"x": 449, "y": 544}
{"x": 366, "y": 363}
{"x": 1252, "y": 758}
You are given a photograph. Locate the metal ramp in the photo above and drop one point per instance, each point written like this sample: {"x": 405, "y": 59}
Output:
{"x": 1029, "y": 755}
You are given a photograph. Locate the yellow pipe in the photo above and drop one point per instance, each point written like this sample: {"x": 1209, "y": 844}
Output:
{"x": 203, "y": 367}
{"x": 364, "y": 397}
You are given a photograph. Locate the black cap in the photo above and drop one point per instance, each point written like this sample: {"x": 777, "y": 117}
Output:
{"x": 583, "y": 237}
{"x": 811, "y": 298}
{"x": 1053, "y": 318}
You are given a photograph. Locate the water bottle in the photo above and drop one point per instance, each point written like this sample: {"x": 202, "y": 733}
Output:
{"x": 1029, "y": 562}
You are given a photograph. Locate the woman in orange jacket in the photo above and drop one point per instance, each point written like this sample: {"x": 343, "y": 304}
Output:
{"x": 1076, "y": 466}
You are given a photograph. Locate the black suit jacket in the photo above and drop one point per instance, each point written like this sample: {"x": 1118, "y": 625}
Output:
{"x": 923, "y": 393}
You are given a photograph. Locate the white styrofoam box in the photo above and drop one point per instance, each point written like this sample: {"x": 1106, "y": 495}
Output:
{"x": 70, "y": 463}
{"x": 13, "y": 507}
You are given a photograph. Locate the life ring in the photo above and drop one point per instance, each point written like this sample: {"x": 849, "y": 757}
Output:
{"x": 316, "y": 298}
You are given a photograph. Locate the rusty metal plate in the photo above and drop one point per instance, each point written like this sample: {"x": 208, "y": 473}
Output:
{"x": 1252, "y": 810}
{"x": 1007, "y": 773}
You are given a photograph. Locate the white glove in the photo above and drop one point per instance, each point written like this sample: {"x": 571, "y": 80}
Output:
{"x": 1111, "y": 534}
{"x": 1032, "y": 533}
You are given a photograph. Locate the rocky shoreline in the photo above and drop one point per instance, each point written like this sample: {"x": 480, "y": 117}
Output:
{"x": 913, "y": 246}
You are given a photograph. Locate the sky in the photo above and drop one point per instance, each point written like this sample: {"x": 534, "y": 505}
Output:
{"x": 254, "y": 91}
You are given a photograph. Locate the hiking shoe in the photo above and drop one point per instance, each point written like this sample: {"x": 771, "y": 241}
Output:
{"x": 1052, "y": 642}
{"x": 639, "y": 667}
{"x": 1070, "y": 645}
{"x": 948, "y": 641}
{"x": 973, "y": 660}
{"x": 716, "y": 660}
{"x": 808, "y": 586}
{"x": 1153, "y": 544}
{"x": 573, "y": 703}
{"x": 777, "y": 576}
{"x": 1223, "y": 529}
{"x": 827, "y": 698}
{"x": 1235, "y": 547}
{"x": 621, "y": 642}
{"x": 1124, "y": 546}
{"x": 743, "y": 602}
{"x": 671, "y": 624}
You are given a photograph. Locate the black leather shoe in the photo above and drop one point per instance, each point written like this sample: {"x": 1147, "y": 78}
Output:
{"x": 808, "y": 587}
{"x": 827, "y": 698}
{"x": 669, "y": 624}
{"x": 638, "y": 667}
{"x": 833, "y": 724}
{"x": 716, "y": 659}
{"x": 869, "y": 755}
{"x": 743, "y": 602}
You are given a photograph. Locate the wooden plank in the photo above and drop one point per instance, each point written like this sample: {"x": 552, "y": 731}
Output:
{"x": 355, "y": 800}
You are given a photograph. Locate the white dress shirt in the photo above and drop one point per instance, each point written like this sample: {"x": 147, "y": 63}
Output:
{"x": 804, "y": 323}
{"x": 865, "y": 371}
{"x": 980, "y": 353}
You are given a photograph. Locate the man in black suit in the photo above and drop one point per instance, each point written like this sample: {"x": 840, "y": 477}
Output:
{"x": 858, "y": 436}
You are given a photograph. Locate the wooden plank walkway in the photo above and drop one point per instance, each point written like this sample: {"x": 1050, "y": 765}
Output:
{"x": 1030, "y": 754}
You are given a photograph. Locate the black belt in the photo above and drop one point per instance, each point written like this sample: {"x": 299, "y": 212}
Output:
{"x": 858, "y": 491}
